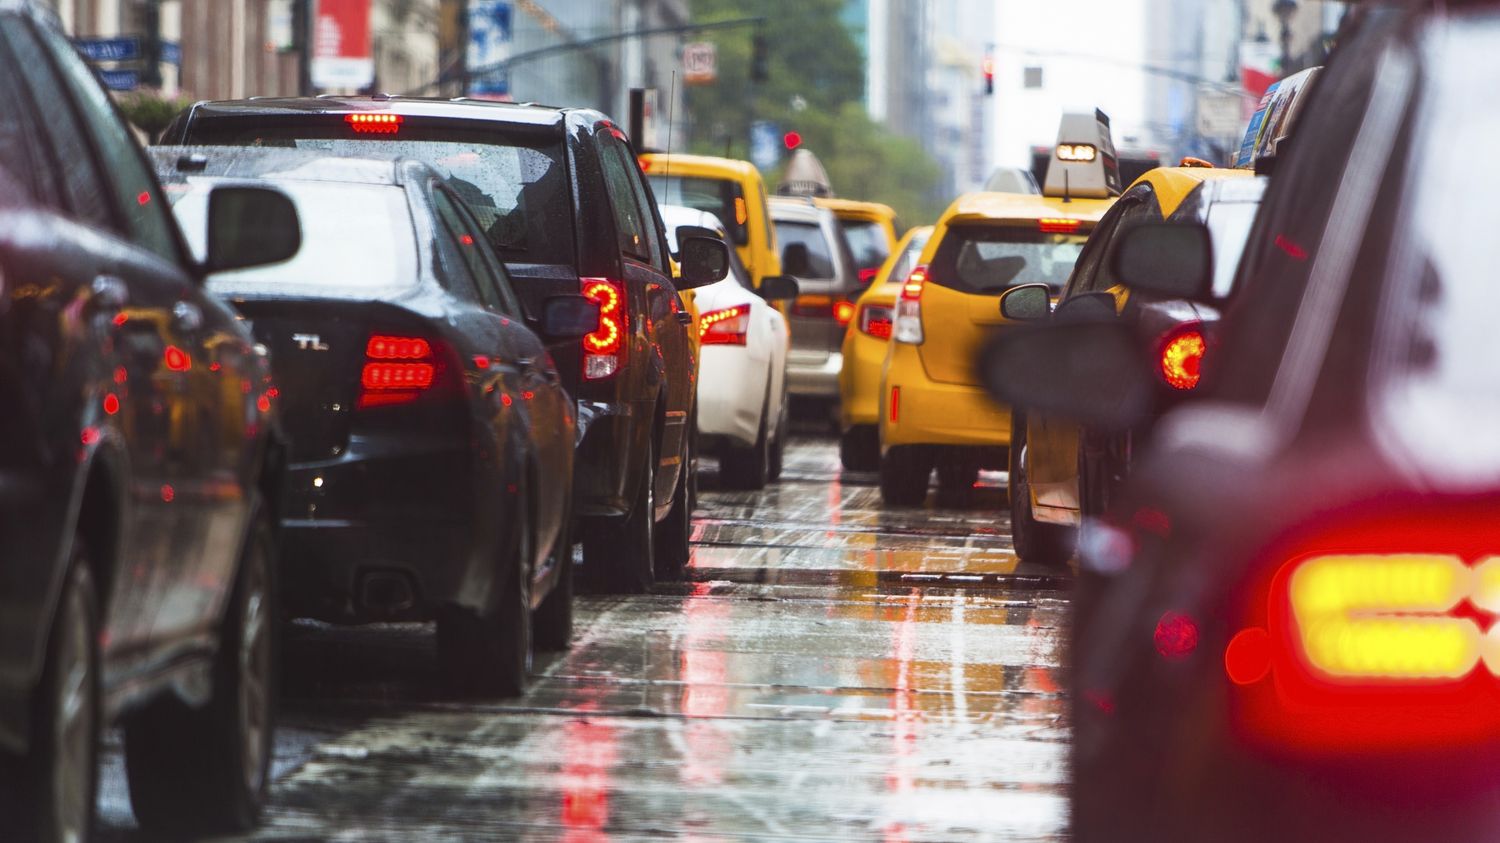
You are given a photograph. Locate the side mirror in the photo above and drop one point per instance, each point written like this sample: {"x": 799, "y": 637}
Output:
{"x": 250, "y": 226}
{"x": 684, "y": 232}
{"x": 568, "y": 317}
{"x": 796, "y": 260}
{"x": 704, "y": 261}
{"x": 1087, "y": 307}
{"x": 779, "y": 288}
{"x": 1026, "y": 303}
{"x": 1091, "y": 373}
{"x": 1173, "y": 260}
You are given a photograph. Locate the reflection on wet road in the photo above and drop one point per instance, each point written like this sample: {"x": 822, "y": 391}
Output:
{"x": 834, "y": 670}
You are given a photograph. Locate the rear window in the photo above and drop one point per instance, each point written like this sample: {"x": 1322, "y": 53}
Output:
{"x": 809, "y": 234}
{"x": 354, "y": 236}
{"x": 992, "y": 258}
{"x": 516, "y": 184}
{"x": 723, "y": 198}
{"x": 868, "y": 243}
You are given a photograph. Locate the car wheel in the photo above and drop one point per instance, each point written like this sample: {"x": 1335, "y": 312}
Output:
{"x": 674, "y": 535}
{"x": 619, "y": 552}
{"x": 778, "y": 445}
{"x": 904, "y": 472}
{"x": 859, "y": 448}
{"x": 1037, "y": 542}
{"x": 749, "y": 468}
{"x": 552, "y": 623}
{"x": 48, "y": 794}
{"x": 206, "y": 770}
{"x": 488, "y": 652}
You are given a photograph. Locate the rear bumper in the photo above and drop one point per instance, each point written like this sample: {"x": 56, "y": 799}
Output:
{"x": 859, "y": 383}
{"x": 731, "y": 394}
{"x": 815, "y": 379}
{"x": 932, "y": 413}
{"x": 391, "y": 536}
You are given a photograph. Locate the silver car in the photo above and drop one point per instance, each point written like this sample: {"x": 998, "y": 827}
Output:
{"x": 815, "y": 252}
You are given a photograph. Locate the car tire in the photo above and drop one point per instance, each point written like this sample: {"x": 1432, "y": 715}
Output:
{"x": 1034, "y": 541}
{"x": 778, "y": 444}
{"x": 904, "y": 474}
{"x": 48, "y": 794}
{"x": 207, "y": 770}
{"x": 859, "y": 448}
{"x": 552, "y": 623}
{"x": 674, "y": 535}
{"x": 487, "y": 653}
{"x": 619, "y": 552}
{"x": 749, "y": 468}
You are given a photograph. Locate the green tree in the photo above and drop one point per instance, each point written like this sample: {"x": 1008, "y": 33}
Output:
{"x": 815, "y": 86}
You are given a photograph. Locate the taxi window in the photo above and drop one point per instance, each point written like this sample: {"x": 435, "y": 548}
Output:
{"x": 992, "y": 258}
{"x": 868, "y": 243}
{"x": 809, "y": 234}
{"x": 723, "y": 198}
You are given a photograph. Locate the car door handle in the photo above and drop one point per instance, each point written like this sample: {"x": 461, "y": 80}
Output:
{"x": 684, "y": 318}
{"x": 186, "y": 317}
{"x": 109, "y": 292}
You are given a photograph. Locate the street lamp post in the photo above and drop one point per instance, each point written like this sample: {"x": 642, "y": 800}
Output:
{"x": 1285, "y": 10}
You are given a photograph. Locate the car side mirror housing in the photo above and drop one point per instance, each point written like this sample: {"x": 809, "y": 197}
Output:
{"x": 796, "y": 260}
{"x": 1092, "y": 373}
{"x": 1026, "y": 303}
{"x": 1173, "y": 260}
{"x": 250, "y": 226}
{"x": 683, "y": 232}
{"x": 705, "y": 260}
{"x": 779, "y": 288}
{"x": 568, "y": 317}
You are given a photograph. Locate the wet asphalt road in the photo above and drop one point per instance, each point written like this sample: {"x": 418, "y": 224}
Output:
{"x": 834, "y": 670}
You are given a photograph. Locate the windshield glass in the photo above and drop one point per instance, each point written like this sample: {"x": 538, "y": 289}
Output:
{"x": 868, "y": 244}
{"x": 992, "y": 258}
{"x": 516, "y": 186}
{"x": 354, "y": 236}
{"x": 721, "y": 197}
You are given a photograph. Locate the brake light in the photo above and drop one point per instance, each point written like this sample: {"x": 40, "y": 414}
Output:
{"x": 375, "y": 124}
{"x": 876, "y": 320}
{"x": 1059, "y": 225}
{"x": 397, "y": 370}
{"x": 907, "y": 327}
{"x": 729, "y": 326}
{"x": 843, "y": 312}
{"x": 868, "y": 274}
{"x": 603, "y": 348}
{"x": 1181, "y": 357}
{"x": 895, "y": 404}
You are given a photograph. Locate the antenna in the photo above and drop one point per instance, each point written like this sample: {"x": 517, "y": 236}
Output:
{"x": 671, "y": 106}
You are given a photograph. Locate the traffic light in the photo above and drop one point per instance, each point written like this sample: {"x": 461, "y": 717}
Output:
{"x": 988, "y": 68}
{"x": 760, "y": 70}
{"x": 792, "y": 139}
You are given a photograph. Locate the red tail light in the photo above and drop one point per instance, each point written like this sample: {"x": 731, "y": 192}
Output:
{"x": 397, "y": 370}
{"x": 843, "y": 312}
{"x": 824, "y": 307}
{"x": 868, "y": 275}
{"x": 604, "y": 348}
{"x": 729, "y": 326}
{"x": 1181, "y": 356}
{"x": 375, "y": 124}
{"x": 907, "y": 326}
{"x": 1374, "y": 631}
{"x": 912, "y": 289}
{"x": 1059, "y": 225}
{"x": 876, "y": 320}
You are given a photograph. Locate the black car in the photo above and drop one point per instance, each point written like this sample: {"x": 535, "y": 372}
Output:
{"x": 430, "y": 473}
{"x": 1286, "y": 629}
{"x": 561, "y": 198}
{"x": 139, "y": 466}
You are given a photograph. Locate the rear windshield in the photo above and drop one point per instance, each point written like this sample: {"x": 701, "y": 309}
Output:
{"x": 354, "y": 236}
{"x": 809, "y": 234}
{"x": 868, "y": 243}
{"x": 516, "y": 185}
{"x": 723, "y": 198}
{"x": 992, "y": 258}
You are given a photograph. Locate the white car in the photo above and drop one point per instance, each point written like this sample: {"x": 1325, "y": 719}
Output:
{"x": 742, "y": 406}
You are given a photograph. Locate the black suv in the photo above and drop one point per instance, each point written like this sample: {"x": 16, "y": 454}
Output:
{"x": 566, "y": 206}
{"x": 138, "y": 469}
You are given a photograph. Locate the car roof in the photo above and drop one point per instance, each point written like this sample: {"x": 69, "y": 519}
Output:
{"x": 1174, "y": 184}
{"x": 661, "y": 163}
{"x": 796, "y": 209}
{"x": 1004, "y": 207}
{"x": 459, "y": 108}
{"x": 857, "y": 208}
{"x": 241, "y": 162}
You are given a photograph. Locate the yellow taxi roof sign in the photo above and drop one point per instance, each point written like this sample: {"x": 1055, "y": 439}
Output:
{"x": 1084, "y": 163}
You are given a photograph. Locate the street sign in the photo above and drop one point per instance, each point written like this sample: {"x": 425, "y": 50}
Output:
{"x": 171, "y": 53}
{"x": 765, "y": 144}
{"x": 125, "y": 48}
{"x": 490, "y": 39}
{"x": 121, "y": 80}
{"x": 343, "y": 55}
{"x": 1219, "y": 114}
{"x": 700, "y": 63}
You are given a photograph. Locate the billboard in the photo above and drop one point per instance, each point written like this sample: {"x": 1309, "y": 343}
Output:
{"x": 489, "y": 45}
{"x": 343, "y": 54}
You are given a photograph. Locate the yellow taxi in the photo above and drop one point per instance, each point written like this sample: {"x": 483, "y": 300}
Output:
{"x": 864, "y": 354}
{"x": 870, "y": 229}
{"x": 934, "y": 411}
{"x": 731, "y": 190}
